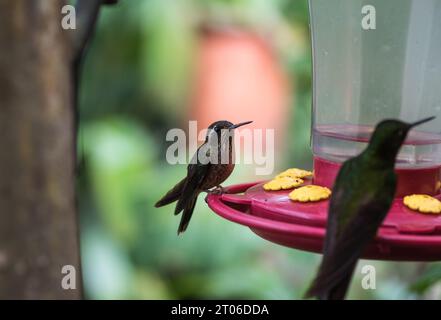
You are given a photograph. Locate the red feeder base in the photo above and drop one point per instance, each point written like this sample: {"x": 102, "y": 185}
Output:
{"x": 404, "y": 236}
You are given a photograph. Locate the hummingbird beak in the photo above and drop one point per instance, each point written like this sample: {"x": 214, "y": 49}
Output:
{"x": 417, "y": 123}
{"x": 234, "y": 126}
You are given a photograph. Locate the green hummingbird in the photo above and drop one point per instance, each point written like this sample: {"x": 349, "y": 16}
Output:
{"x": 211, "y": 165}
{"x": 362, "y": 195}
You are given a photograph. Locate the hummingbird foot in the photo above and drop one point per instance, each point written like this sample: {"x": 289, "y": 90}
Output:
{"x": 218, "y": 190}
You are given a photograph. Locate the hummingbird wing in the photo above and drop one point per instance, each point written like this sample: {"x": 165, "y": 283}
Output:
{"x": 196, "y": 173}
{"x": 358, "y": 206}
{"x": 172, "y": 195}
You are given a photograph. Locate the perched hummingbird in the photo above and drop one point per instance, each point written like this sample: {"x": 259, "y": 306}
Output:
{"x": 210, "y": 166}
{"x": 362, "y": 195}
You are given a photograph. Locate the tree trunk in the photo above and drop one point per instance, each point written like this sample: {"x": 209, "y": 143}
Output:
{"x": 38, "y": 223}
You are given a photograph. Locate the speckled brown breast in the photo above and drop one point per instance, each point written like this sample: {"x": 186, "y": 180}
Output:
{"x": 218, "y": 173}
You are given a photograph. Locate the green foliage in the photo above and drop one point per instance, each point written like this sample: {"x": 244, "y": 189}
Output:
{"x": 427, "y": 280}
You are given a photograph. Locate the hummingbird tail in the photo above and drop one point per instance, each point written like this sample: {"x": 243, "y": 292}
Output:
{"x": 333, "y": 278}
{"x": 322, "y": 292}
{"x": 173, "y": 195}
{"x": 186, "y": 215}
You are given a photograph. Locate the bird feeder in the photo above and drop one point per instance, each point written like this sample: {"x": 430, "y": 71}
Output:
{"x": 370, "y": 62}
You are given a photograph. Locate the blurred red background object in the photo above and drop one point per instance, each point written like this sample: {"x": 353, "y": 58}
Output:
{"x": 238, "y": 78}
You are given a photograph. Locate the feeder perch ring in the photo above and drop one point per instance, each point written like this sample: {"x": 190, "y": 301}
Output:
{"x": 403, "y": 236}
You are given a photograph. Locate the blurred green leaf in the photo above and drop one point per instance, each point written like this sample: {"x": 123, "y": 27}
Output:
{"x": 429, "y": 278}
{"x": 107, "y": 271}
{"x": 119, "y": 155}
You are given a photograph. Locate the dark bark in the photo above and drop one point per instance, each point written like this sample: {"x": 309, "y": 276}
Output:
{"x": 38, "y": 225}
